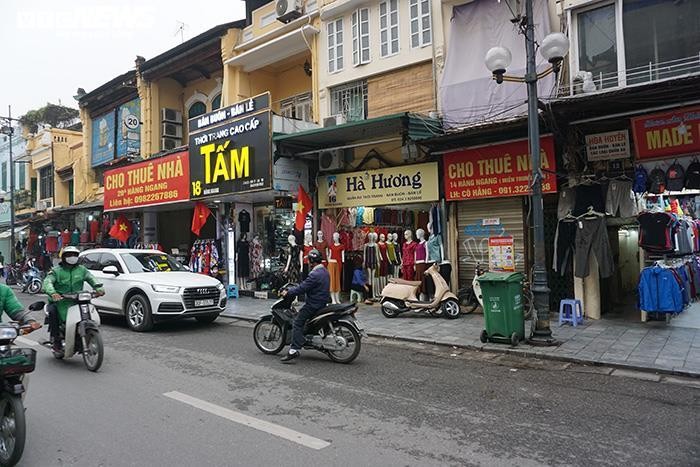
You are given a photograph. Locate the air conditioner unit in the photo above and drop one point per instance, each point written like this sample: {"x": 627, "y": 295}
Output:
{"x": 331, "y": 160}
{"x": 334, "y": 120}
{"x": 172, "y": 130}
{"x": 44, "y": 204}
{"x": 169, "y": 143}
{"x": 288, "y": 10}
{"x": 170, "y": 115}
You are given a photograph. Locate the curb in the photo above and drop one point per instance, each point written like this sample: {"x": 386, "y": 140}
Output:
{"x": 521, "y": 353}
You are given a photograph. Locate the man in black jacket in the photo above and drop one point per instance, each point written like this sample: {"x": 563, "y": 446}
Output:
{"x": 317, "y": 288}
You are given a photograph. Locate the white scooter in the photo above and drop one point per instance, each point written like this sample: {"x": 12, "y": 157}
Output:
{"x": 80, "y": 333}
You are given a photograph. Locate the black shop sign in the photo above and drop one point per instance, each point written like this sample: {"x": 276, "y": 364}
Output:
{"x": 231, "y": 149}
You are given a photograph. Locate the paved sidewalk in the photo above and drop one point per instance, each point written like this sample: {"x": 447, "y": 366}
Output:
{"x": 652, "y": 346}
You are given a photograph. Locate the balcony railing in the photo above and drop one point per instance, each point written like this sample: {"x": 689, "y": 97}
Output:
{"x": 637, "y": 75}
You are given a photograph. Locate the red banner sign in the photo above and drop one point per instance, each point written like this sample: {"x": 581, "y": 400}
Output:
{"x": 667, "y": 134}
{"x": 497, "y": 170}
{"x": 156, "y": 181}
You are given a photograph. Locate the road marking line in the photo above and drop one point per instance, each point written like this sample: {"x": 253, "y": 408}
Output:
{"x": 252, "y": 422}
{"x": 25, "y": 341}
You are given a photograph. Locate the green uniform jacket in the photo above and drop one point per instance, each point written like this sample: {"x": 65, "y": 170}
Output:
{"x": 10, "y": 305}
{"x": 63, "y": 280}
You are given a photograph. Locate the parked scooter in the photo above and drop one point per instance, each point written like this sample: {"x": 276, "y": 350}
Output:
{"x": 80, "y": 333}
{"x": 400, "y": 296}
{"x": 32, "y": 279}
{"x": 15, "y": 363}
{"x": 333, "y": 331}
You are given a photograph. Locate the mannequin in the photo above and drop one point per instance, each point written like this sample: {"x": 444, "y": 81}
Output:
{"x": 383, "y": 261}
{"x": 242, "y": 260}
{"x": 408, "y": 257}
{"x": 295, "y": 261}
{"x": 322, "y": 246}
{"x": 436, "y": 253}
{"x": 397, "y": 252}
{"x": 256, "y": 257}
{"x": 371, "y": 261}
{"x": 421, "y": 253}
{"x": 336, "y": 259}
{"x": 308, "y": 246}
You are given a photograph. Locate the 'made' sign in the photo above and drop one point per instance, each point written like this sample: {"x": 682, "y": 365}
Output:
{"x": 233, "y": 155}
{"x": 667, "y": 134}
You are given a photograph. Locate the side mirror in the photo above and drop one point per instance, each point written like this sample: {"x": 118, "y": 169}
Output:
{"x": 111, "y": 270}
{"x": 36, "y": 306}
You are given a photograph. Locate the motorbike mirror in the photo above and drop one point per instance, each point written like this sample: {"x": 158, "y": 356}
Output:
{"x": 111, "y": 270}
{"x": 36, "y": 306}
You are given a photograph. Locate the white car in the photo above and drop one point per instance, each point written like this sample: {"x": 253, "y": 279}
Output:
{"x": 148, "y": 286}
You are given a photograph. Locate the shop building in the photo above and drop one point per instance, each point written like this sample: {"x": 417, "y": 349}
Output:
{"x": 22, "y": 193}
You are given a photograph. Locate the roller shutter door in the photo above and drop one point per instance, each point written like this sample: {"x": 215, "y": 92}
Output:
{"x": 473, "y": 236}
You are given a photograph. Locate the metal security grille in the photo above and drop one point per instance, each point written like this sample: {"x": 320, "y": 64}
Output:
{"x": 350, "y": 101}
{"x": 473, "y": 238}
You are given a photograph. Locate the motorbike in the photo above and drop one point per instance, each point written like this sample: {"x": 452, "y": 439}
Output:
{"x": 400, "y": 296}
{"x": 32, "y": 280}
{"x": 80, "y": 333}
{"x": 15, "y": 364}
{"x": 333, "y": 331}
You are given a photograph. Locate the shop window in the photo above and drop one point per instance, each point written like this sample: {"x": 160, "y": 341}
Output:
{"x": 350, "y": 100}
{"x": 4, "y": 176}
{"x": 635, "y": 41}
{"x": 216, "y": 102}
{"x": 421, "y": 34}
{"x": 335, "y": 45}
{"x": 297, "y": 107}
{"x": 389, "y": 28}
{"x": 46, "y": 182}
{"x": 360, "y": 36}
{"x": 196, "y": 109}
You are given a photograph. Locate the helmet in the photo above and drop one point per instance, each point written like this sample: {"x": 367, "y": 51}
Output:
{"x": 315, "y": 257}
{"x": 69, "y": 251}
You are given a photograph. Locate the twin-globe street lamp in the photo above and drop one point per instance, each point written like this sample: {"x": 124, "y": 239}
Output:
{"x": 553, "y": 48}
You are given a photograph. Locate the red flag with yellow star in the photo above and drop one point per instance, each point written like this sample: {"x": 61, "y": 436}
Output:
{"x": 201, "y": 213}
{"x": 121, "y": 230}
{"x": 304, "y": 206}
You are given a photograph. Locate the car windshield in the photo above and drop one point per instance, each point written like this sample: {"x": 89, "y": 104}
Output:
{"x": 151, "y": 262}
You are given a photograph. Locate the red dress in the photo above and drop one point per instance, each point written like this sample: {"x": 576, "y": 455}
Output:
{"x": 307, "y": 249}
{"x": 383, "y": 260}
{"x": 408, "y": 256}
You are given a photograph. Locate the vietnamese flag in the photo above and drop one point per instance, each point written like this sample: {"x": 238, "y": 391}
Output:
{"x": 201, "y": 213}
{"x": 121, "y": 230}
{"x": 304, "y": 206}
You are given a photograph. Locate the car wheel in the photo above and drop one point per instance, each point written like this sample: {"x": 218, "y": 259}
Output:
{"x": 207, "y": 319}
{"x": 138, "y": 314}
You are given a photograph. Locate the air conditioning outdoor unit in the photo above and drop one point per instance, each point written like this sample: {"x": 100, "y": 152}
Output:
{"x": 172, "y": 130}
{"x": 169, "y": 143}
{"x": 44, "y": 204}
{"x": 334, "y": 120}
{"x": 170, "y": 115}
{"x": 288, "y": 10}
{"x": 330, "y": 160}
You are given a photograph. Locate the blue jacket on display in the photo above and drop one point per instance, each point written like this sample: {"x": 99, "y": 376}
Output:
{"x": 660, "y": 291}
{"x": 317, "y": 288}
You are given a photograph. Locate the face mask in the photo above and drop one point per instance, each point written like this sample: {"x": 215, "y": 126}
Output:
{"x": 71, "y": 260}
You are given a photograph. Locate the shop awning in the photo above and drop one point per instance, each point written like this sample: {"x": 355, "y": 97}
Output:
{"x": 413, "y": 126}
{"x": 7, "y": 233}
{"x": 280, "y": 48}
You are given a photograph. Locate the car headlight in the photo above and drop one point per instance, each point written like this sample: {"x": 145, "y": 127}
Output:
{"x": 166, "y": 288}
{"x": 220, "y": 286}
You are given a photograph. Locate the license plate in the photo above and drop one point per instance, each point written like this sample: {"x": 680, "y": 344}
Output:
{"x": 203, "y": 303}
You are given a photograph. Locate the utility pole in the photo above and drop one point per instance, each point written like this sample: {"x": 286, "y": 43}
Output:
{"x": 9, "y": 131}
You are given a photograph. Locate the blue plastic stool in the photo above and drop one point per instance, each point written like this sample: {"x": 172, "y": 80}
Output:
{"x": 232, "y": 291}
{"x": 570, "y": 311}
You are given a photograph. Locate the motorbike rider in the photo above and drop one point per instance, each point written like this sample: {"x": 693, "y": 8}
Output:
{"x": 317, "y": 287}
{"x": 14, "y": 309}
{"x": 67, "y": 277}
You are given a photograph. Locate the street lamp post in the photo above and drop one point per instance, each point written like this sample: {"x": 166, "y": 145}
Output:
{"x": 9, "y": 130}
{"x": 553, "y": 48}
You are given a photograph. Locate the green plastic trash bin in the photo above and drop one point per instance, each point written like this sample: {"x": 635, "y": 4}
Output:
{"x": 503, "y": 307}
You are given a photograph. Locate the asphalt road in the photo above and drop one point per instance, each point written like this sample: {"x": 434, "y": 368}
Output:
{"x": 398, "y": 404}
